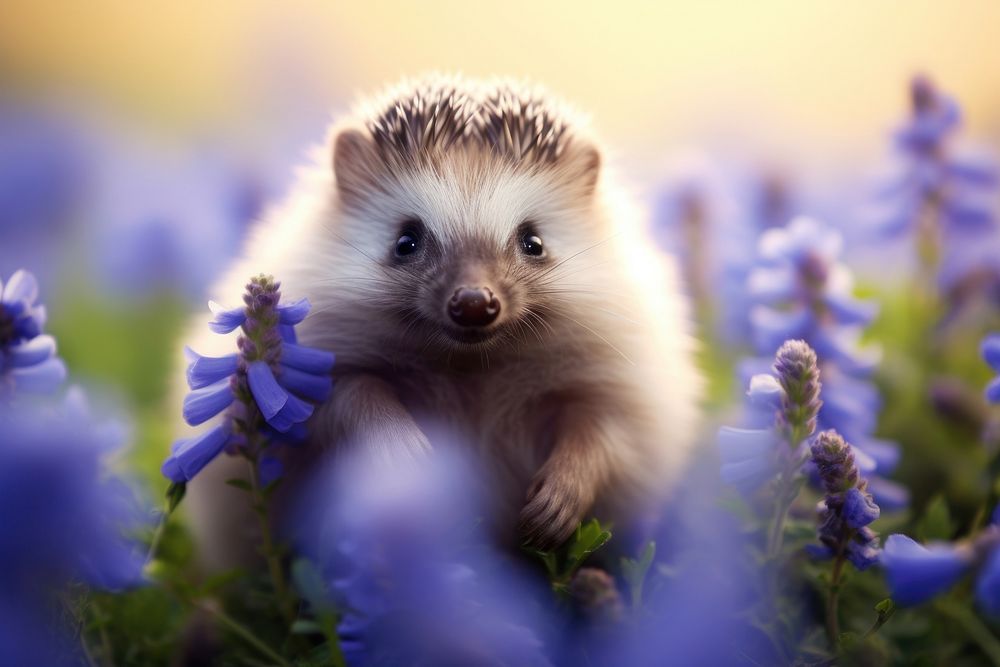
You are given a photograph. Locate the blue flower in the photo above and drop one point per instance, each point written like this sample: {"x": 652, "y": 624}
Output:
{"x": 749, "y": 456}
{"x": 64, "y": 518}
{"x": 802, "y": 290}
{"x": 27, "y": 357}
{"x": 268, "y": 387}
{"x": 417, "y": 581}
{"x": 940, "y": 196}
{"x": 782, "y": 410}
{"x": 847, "y": 509}
{"x": 991, "y": 353}
{"x": 916, "y": 573}
{"x": 163, "y": 220}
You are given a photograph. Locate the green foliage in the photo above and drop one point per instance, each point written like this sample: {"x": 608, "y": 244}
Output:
{"x": 563, "y": 563}
{"x": 634, "y": 572}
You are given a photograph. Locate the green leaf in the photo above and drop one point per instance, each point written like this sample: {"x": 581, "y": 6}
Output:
{"x": 886, "y": 607}
{"x": 175, "y": 494}
{"x": 551, "y": 562}
{"x": 310, "y": 585}
{"x": 304, "y": 626}
{"x": 634, "y": 571}
{"x": 936, "y": 522}
{"x": 589, "y": 537}
{"x": 241, "y": 484}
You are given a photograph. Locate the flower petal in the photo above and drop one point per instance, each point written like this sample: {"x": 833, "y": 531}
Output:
{"x": 990, "y": 349}
{"x": 747, "y": 474}
{"x": 859, "y": 508}
{"x": 22, "y": 287}
{"x": 765, "y": 392}
{"x": 308, "y": 359}
{"x": 988, "y": 585}
{"x": 848, "y": 310}
{"x": 294, "y": 312}
{"x": 315, "y": 388}
{"x": 191, "y": 455}
{"x": 293, "y": 412}
{"x": 993, "y": 391}
{"x": 889, "y": 495}
{"x": 287, "y": 333}
{"x": 267, "y": 393}
{"x": 740, "y": 444}
{"x": 773, "y": 327}
{"x": 203, "y": 404}
{"x": 916, "y": 573}
{"x": 863, "y": 555}
{"x": 203, "y": 371}
{"x": 43, "y": 378}
{"x": 225, "y": 321}
{"x": 32, "y": 352}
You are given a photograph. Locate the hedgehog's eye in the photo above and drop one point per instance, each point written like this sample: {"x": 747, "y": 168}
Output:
{"x": 409, "y": 239}
{"x": 531, "y": 244}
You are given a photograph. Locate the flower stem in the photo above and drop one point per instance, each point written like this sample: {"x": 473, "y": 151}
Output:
{"x": 783, "y": 499}
{"x": 268, "y": 547}
{"x": 245, "y": 634}
{"x": 833, "y": 601}
{"x": 154, "y": 544}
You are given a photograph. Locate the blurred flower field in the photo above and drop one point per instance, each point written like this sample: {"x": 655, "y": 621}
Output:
{"x": 842, "y": 509}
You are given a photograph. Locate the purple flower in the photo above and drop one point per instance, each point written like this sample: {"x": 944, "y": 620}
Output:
{"x": 941, "y": 196}
{"x": 802, "y": 291}
{"x": 27, "y": 357}
{"x": 991, "y": 353}
{"x": 65, "y": 519}
{"x": 916, "y": 573}
{"x": 848, "y": 508}
{"x": 783, "y": 408}
{"x": 267, "y": 389}
{"x": 417, "y": 582}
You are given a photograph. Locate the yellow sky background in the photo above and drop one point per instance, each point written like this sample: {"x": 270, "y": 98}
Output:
{"x": 653, "y": 75}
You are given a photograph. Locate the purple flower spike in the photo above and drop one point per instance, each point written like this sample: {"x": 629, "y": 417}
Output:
{"x": 848, "y": 508}
{"x": 267, "y": 388}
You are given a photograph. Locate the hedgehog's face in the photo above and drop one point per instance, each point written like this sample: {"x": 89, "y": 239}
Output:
{"x": 466, "y": 248}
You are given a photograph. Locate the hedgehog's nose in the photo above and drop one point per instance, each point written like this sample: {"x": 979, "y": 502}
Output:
{"x": 473, "y": 306}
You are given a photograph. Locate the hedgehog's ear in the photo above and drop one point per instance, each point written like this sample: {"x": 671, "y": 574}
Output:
{"x": 583, "y": 165}
{"x": 355, "y": 162}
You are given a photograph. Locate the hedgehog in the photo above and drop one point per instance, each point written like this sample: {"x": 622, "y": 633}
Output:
{"x": 484, "y": 279}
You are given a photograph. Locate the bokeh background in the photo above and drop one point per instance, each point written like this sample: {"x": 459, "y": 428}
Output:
{"x": 139, "y": 140}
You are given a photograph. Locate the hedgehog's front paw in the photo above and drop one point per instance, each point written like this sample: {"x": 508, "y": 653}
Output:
{"x": 556, "y": 504}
